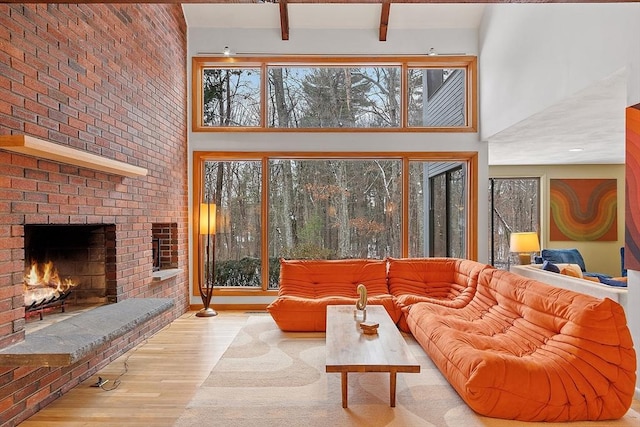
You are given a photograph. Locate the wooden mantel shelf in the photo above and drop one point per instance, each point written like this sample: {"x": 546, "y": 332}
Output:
{"x": 31, "y": 146}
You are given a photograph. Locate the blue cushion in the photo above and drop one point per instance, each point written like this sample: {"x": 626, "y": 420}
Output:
{"x": 600, "y": 276}
{"x": 549, "y": 266}
{"x": 564, "y": 256}
{"x": 612, "y": 282}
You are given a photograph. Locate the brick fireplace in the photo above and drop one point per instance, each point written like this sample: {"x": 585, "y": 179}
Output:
{"x": 109, "y": 80}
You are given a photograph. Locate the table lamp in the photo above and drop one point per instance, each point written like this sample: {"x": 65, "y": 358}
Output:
{"x": 524, "y": 244}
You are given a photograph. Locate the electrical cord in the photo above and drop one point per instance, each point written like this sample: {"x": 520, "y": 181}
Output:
{"x": 116, "y": 383}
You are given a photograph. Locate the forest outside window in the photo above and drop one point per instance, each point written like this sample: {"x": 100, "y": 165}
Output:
{"x": 231, "y": 97}
{"x": 350, "y": 94}
{"x": 334, "y": 97}
{"x": 514, "y": 207}
{"x": 316, "y": 206}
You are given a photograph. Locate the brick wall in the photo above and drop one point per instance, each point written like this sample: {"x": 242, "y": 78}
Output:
{"x": 110, "y": 80}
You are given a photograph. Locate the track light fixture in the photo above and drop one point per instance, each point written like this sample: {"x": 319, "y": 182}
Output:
{"x": 432, "y": 52}
{"x": 226, "y": 51}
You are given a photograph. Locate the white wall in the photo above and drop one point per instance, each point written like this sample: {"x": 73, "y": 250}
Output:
{"x": 330, "y": 41}
{"x": 534, "y": 55}
{"x": 339, "y": 42}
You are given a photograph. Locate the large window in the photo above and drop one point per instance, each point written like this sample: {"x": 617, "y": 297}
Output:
{"x": 309, "y": 93}
{"x": 236, "y": 189}
{"x": 334, "y": 97}
{"x": 231, "y": 97}
{"x": 437, "y": 97}
{"x": 515, "y": 207}
{"x": 334, "y": 208}
{"x": 275, "y": 206}
{"x": 437, "y": 218}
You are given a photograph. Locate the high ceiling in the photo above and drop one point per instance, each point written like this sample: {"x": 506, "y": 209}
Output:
{"x": 334, "y": 15}
{"x": 591, "y": 120}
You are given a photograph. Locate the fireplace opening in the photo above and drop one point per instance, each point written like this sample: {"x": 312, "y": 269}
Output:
{"x": 68, "y": 265}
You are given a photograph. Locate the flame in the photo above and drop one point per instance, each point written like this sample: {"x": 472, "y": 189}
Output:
{"x": 42, "y": 282}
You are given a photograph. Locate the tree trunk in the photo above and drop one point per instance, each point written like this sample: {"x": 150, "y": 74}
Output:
{"x": 344, "y": 240}
{"x": 281, "y": 106}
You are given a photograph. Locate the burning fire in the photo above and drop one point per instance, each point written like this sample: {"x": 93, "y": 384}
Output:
{"x": 42, "y": 283}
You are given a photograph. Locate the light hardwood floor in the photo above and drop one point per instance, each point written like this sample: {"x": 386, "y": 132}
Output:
{"x": 157, "y": 379}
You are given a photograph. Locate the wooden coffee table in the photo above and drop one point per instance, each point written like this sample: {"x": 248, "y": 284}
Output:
{"x": 350, "y": 350}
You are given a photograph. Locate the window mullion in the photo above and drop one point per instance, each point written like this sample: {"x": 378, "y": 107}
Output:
{"x": 405, "y": 208}
{"x": 264, "y": 226}
{"x": 264, "y": 117}
{"x": 404, "y": 96}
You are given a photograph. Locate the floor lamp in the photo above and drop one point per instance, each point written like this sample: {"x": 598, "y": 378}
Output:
{"x": 206, "y": 261}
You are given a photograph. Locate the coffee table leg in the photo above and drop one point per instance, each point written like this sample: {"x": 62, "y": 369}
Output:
{"x": 392, "y": 388}
{"x": 344, "y": 389}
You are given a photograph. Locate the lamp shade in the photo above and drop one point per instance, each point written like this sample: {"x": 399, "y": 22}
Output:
{"x": 207, "y": 218}
{"x": 524, "y": 242}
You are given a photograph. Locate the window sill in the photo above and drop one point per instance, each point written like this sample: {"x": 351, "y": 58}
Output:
{"x": 162, "y": 275}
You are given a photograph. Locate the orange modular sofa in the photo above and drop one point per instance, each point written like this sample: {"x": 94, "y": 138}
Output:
{"x": 512, "y": 347}
{"x": 307, "y": 287}
{"x": 521, "y": 349}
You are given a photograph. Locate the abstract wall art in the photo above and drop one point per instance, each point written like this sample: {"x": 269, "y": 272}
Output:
{"x": 583, "y": 209}
{"x": 632, "y": 194}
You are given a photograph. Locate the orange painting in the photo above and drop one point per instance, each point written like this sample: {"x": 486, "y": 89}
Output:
{"x": 632, "y": 205}
{"x": 583, "y": 209}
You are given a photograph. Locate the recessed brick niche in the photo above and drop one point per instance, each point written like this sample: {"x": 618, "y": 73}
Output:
{"x": 165, "y": 245}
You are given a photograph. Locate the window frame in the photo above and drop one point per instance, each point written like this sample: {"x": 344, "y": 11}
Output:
{"x": 491, "y": 206}
{"x": 447, "y": 207}
{"x": 470, "y": 158}
{"x": 466, "y": 62}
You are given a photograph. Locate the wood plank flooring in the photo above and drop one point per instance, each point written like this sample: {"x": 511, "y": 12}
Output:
{"x": 157, "y": 379}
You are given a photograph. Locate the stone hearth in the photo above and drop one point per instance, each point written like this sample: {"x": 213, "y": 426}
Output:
{"x": 67, "y": 342}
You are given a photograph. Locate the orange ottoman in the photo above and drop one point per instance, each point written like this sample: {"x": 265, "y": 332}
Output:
{"x": 308, "y": 286}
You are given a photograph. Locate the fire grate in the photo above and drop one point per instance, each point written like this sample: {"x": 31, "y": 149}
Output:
{"x": 54, "y": 301}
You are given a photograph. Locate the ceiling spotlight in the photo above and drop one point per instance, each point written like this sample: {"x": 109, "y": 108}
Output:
{"x": 226, "y": 51}
{"x": 576, "y": 150}
{"x": 432, "y": 52}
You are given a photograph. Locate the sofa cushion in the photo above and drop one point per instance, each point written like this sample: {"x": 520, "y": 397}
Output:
{"x": 564, "y": 256}
{"x": 596, "y": 275}
{"x": 549, "y": 266}
{"x": 451, "y": 280}
{"x": 572, "y": 270}
{"x": 620, "y": 282}
{"x": 329, "y": 278}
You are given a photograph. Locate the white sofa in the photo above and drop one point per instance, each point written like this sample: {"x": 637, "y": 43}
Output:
{"x": 584, "y": 286}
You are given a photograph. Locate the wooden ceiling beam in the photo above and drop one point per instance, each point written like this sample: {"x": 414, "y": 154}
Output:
{"x": 306, "y": 1}
{"x": 384, "y": 19}
{"x": 284, "y": 20}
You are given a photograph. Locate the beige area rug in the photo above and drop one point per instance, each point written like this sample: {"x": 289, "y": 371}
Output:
{"x": 272, "y": 378}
